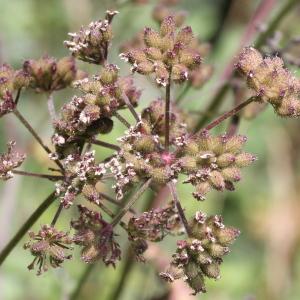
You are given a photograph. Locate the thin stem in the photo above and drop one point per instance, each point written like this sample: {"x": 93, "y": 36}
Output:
{"x": 51, "y": 107}
{"x": 213, "y": 107}
{"x": 121, "y": 119}
{"x": 131, "y": 108}
{"x": 112, "y": 200}
{"x": 230, "y": 113}
{"x": 183, "y": 93}
{"x": 18, "y": 96}
{"x": 126, "y": 208}
{"x": 82, "y": 280}
{"x": 179, "y": 208}
{"x": 275, "y": 22}
{"x": 35, "y": 135}
{"x": 26, "y": 226}
{"x": 57, "y": 214}
{"x": 44, "y": 176}
{"x": 105, "y": 144}
{"x": 167, "y": 113}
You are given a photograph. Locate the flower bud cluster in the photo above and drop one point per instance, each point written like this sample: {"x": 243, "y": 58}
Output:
{"x": 49, "y": 74}
{"x": 271, "y": 81}
{"x": 48, "y": 248}
{"x": 91, "y": 44}
{"x": 9, "y": 161}
{"x": 96, "y": 237}
{"x": 155, "y": 224}
{"x": 10, "y": 82}
{"x": 82, "y": 173}
{"x": 142, "y": 152}
{"x": 166, "y": 53}
{"x": 201, "y": 254}
{"x": 213, "y": 162}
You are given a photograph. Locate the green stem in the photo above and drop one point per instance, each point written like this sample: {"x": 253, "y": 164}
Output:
{"x": 44, "y": 176}
{"x": 229, "y": 114}
{"x": 82, "y": 280}
{"x": 179, "y": 208}
{"x": 104, "y": 144}
{"x": 167, "y": 113}
{"x": 35, "y": 135}
{"x": 26, "y": 226}
{"x": 283, "y": 11}
{"x": 134, "y": 198}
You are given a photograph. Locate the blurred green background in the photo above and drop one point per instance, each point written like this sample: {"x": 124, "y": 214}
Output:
{"x": 265, "y": 260}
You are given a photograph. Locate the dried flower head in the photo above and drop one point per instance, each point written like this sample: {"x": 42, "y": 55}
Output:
{"x": 82, "y": 174}
{"x": 271, "y": 81}
{"x": 96, "y": 238}
{"x": 49, "y": 74}
{"x": 91, "y": 44}
{"x": 11, "y": 81}
{"x": 155, "y": 224}
{"x": 167, "y": 52}
{"x": 48, "y": 246}
{"x": 201, "y": 254}
{"x": 9, "y": 161}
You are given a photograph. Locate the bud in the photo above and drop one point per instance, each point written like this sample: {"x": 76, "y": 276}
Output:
{"x": 179, "y": 73}
{"x": 144, "y": 144}
{"x": 167, "y": 26}
{"x": 231, "y": 174}
{"x": 217, "y": 180}
{"x": 153, "y": 53}
{"x": 211, "y": 270}
{"x": 248, "y": 60}
{"x": 225, "y": 159}
{"x": 226, "y": 236}
{"x": 145, "y": 68}
{"x": 202, "y": 189}
{"x": 190, "y": 58}
{"x": 244, "y": 159}
{"x": 109, "y": 74}
{"x": 152, "y": 38}
{"x": 217, "y": 250}
{"x": 185, "y": 35}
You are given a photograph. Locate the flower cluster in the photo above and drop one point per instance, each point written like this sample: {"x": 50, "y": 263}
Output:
{"x": 49, "y": 74}
{"x": 168, "y": 53}
{"x": 213, "y": 162}
{"x": 81, "y": 175}
{"x": 48, "y": 246}
{"x": 91, "y": 44}
{"x": 201, "y": 254}
{"x": 96, "y": 238}
{"x": 10, "y": 82}
{"x": 271, "y": 81}
{"x": 9, "y": 161}
{"x": 86, "y": 116}
{"x": 155, "y": 224}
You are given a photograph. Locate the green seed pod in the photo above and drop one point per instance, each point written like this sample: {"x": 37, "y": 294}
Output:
{"x": 197, "y": 284}
{"x": 211, "y": 270}
{"x": 109, "y": 74}
{"x": 145, "y": 68}
{"x": 248, "y": 60}
{"x": 244, "y": 159}
{"x": 167, "y": 26}
{"x": 231, "y": 174}
{"x": 216, "y": 250}
{"x": 225, "y": 160}
{"x": 234, "y": 143}
{"x": 204, "y": 258}
{"x": 185, "y": 35}
{"x": 226, "y": 236}
{"x": 144, "y": 144}
{"x": 153, "y": 53}
{"x": 191, "y": 270}
{"x": 152, "y": 38}
{"x": 217, "y": 180}
{"x": 188, "y": 163}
